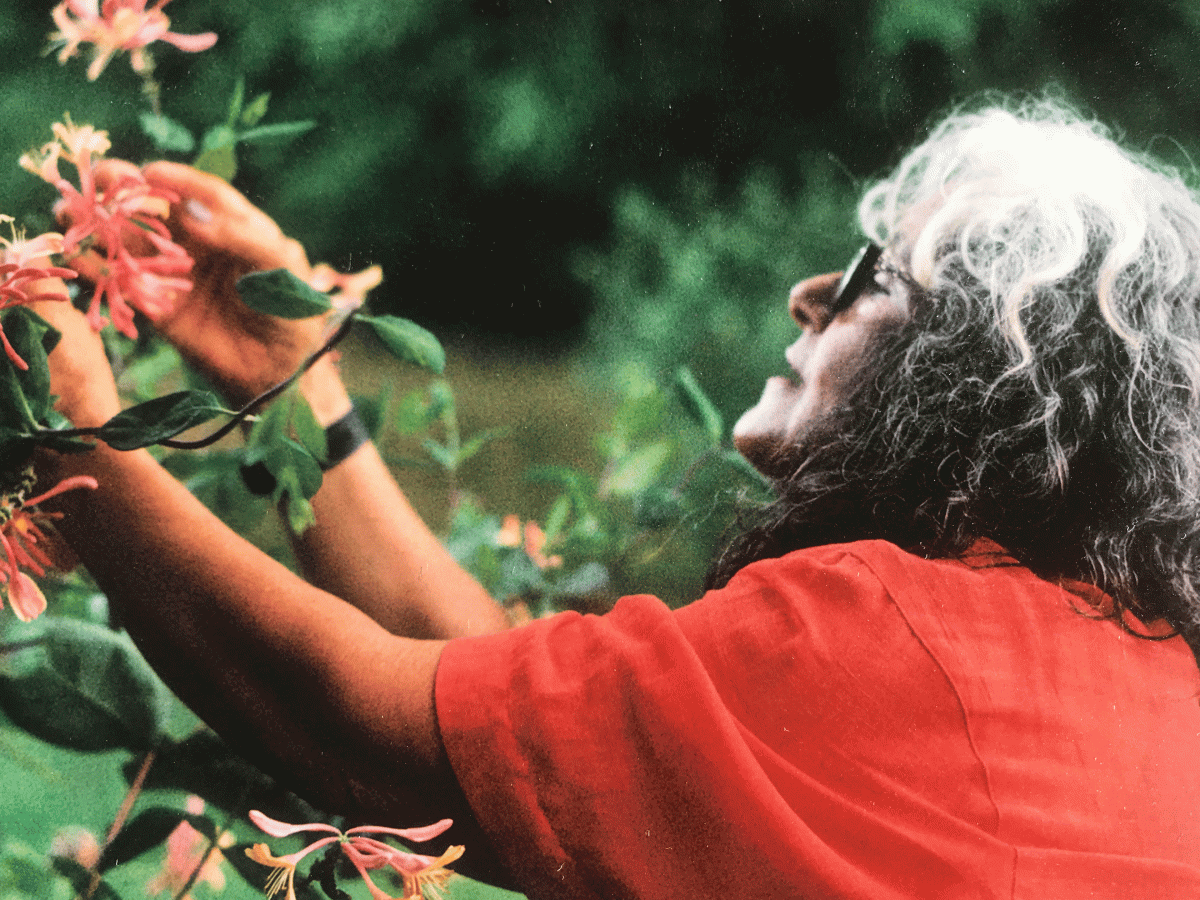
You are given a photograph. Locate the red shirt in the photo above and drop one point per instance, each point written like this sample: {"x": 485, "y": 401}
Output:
{"x": 844, "y": 722}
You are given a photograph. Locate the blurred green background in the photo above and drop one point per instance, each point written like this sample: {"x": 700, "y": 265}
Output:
{"x": 579, "y": 195}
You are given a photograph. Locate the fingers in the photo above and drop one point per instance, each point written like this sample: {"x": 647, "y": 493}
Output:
{"x": 216, "y": 215}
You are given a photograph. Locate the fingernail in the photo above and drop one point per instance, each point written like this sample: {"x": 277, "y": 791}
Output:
{"x": 197, "y": 211}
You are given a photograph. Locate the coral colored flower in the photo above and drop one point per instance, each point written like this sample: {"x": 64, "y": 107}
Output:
{"x": 118, "y": 25}
{"x": 349, "y": 290}
{"x": 532, "y": 538}
{"x": 187, "y": 851}
{"x": 365, "y": 853}
{"x": 105, "y": 223}
{"x": 20, "y": 533}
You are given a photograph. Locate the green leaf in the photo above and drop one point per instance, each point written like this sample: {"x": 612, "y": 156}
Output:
{"x": 479, "y": 441}
{"x": 159, "y": 419}
{"x": 413, "y": 413}
{"x": 294, "y": 458}
{"x": 556, "y": 519}
{"x": 236, "y": 100}
{"x": 216, "y": 152}
{"x": 166, "y": 133}
{"x": 81, "y": 880}
{"x": 26, "y": 392}
{"x": 444, "y": 456}
{"x": 280, "y": 293}
{"x": 24, "y": 874}
{"x": 253, "y": 113}
{"x": 657, "y": 507}
{"x": 408, "y": 341}
{"x": 300, "y": 514}
{"x": 147, "y": 831}
{"x": 636, "y": 471}
{"x": 84, "y": 687}
{"x": 283, "y": 131}
{"x": 307, "y": 430}
{"x": 698, "y": 406}
{"x": 589, "y": 578}
{"x": 269, "y": 428}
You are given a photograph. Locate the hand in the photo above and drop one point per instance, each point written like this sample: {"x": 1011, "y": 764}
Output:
{"x": 241, "y": 351}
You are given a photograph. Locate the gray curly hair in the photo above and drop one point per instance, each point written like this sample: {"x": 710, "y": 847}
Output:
{"x": 1046, "y": 392}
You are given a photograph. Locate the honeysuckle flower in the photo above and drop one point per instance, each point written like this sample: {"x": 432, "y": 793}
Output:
{"x": 364, "y": 852}
{"x": 117, "y": 25}
{"x": 23, "y": 251}
{"x": 20, "y": 532}
{"x": 347, "y": 291}
{"x": 531, "y": 538}
{"x": 106, "y": 223}
{"x": 78, "y": 844}
{"x": 188, "y": 849}
{"x": 21, "y": 283}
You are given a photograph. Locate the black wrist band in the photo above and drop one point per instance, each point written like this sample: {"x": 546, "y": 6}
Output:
{"x": 343, "y": 437}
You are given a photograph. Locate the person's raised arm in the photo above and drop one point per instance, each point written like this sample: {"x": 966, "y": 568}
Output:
{"x": 301, "y": 681}
{"x": 369, "y": 546}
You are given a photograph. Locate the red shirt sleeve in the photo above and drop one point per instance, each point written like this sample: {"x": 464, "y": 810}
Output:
{"x": 738, "y": 747}
{"x": 844, "y": 722}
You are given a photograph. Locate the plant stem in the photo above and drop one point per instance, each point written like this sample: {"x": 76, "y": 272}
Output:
{"x": 131, "y": 796}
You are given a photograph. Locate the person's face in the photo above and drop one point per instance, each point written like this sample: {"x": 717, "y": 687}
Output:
{"x": 827, "y": 361}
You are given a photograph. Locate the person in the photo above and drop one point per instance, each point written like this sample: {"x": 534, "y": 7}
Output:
{"x": 954, "y": 658}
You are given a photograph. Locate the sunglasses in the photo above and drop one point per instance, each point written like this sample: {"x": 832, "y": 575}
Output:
{"x": 861, "y": 272}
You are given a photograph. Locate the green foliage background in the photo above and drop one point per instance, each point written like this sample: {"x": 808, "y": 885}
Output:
{"x": 622, "y": 178}
{"x": 619, "y": 187}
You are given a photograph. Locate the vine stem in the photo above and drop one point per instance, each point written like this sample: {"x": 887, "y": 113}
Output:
{"x": 131, "y": 796}
{"x": 17, "y": 646}
{"x": 246, "y": 411}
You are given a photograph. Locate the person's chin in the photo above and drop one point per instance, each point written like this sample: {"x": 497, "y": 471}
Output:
{"x": 759, "y": 433}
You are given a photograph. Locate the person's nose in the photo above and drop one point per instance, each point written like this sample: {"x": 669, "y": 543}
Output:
{"x": 809, "y": 300}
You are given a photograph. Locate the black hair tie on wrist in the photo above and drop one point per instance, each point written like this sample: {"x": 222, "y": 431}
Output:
{"x": 342, "y": 438}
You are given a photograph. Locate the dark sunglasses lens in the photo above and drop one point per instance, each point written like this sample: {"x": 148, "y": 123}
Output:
{"x": 856, "y": 278}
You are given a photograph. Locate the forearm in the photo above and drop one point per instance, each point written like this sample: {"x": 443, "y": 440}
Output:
{"x": 280, "y": 667}
{"x": 370, "y": 547}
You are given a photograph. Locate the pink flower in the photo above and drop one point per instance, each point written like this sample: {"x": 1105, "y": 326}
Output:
{"x": 127, "y": 212}
{"x": 365, "y": 854}
{"x": 21, "y": 284}
{"x": 187, "y": 850}
{"x": 533, "y": 539}
{"x": 23, "y": 270}
{"x": 350, "y": 289}
{"x": 20, "y": 533}
{"x": 118, "y": 25}
{"x": 23, "y": 275}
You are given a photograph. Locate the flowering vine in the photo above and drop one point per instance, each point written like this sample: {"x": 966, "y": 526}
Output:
{"x": 115, "y": 26}
{"x": 365, "y": 853}
{"x": 110, "y": 223}
{"x": 20, "y": 534}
